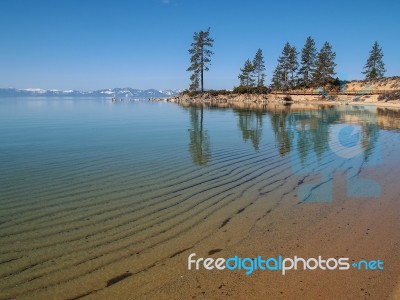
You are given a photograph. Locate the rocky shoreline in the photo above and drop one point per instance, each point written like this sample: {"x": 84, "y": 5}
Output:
{"x": 207, "y": 98}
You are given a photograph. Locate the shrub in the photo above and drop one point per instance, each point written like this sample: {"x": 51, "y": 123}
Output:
{"x": 251, "y": 90}
{"x": 395, "y": 95}
{"x": 190, "y": 93}
{"x": 210, "y": 92}
{"x": 218, "y": 92}
{"x": 287, "y": 98}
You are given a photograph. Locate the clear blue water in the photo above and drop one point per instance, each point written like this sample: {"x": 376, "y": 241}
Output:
{"x": 88, "y": 186}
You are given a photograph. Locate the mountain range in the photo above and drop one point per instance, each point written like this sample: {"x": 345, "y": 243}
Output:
{"x": 105, "y": 93}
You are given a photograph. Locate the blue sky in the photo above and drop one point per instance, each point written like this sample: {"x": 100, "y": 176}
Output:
{"x": 89, "y": 44}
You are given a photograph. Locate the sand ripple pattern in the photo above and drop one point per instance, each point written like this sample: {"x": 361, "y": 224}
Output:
{"x": 109, "y": 219}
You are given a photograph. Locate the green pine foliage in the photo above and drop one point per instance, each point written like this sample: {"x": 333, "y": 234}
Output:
{"x": 374, "y": 67}
{"x": 293, "y": 66}
{"x": 285, "y": 73}
{"x": 200, "y": 58}
{"x": 307, "y": 63}
{"x": 315, "y": 69}
{"x": 252, "y": 76}
{"x": 246, "y": 75}
{"x": 259, "y": 68}
{"x": 195, "y": 82}
{"x": 284, "y": 64}
{"x": 325, "y": 66}
{"x": 278, "y": 78}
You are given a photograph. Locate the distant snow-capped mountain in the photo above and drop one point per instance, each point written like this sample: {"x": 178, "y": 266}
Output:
{"x": 105, "y": 93}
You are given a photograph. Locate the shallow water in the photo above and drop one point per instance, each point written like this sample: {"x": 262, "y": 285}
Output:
{"x": 91, "y": 189}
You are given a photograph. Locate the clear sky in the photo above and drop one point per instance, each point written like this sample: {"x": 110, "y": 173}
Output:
{"x": 95, "y": 44}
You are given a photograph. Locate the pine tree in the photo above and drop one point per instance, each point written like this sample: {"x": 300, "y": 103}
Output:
{"x": 287, "y": 64}
{"x": 259, "y": 68}
{"x": 308, "y": 60}
{"x": 374, "y": 68}
{"x": 325, "y": 65}
{"x": 246, "y": 75}
{"x": 200, "y": 58}
{"x": 278, "y": 78}
{"x": 293, "y": 65}
{"x": 195, "y": 83}
{"x": 283, "y": 63}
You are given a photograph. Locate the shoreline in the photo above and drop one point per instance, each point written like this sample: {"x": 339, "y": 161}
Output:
{"x": 206, "y": 98}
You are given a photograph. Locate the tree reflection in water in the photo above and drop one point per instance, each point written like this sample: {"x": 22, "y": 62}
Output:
{"x": 199, "y": 145}
{"x": 301, "y": 129}
{"x": 250, "y": 123}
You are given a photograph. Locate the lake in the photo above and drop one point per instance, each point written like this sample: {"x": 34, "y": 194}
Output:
{"x": 101, "y": 199}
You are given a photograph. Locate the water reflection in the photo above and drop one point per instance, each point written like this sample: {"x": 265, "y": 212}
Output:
{"x": 280, "y": 122}
{"x": 332, "y": 139}
{"x": 311, "y": 130}
{"x": 388, "y": 118}
{"x": 303, "y": 130}
{"x": 250, "y": 124}
{"x": 199, "y": 144}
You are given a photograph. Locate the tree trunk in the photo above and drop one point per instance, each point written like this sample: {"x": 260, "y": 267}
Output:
{"x": 202, "y": 84}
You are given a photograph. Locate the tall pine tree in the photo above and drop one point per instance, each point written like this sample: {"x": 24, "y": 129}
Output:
{"x": 307, "y": 64}
{"x": 325, "y": 65}
{"x": 200, "y": 58}
{"x": 246, "y": 74}
{"x": 284, "y": 65}
{"x": 293, "y": 65}
{"x": 278, "y": 78}
{"x": 287, "y": 65}
{"x": 374, "y": 68}
{"x": 259, "y": 68}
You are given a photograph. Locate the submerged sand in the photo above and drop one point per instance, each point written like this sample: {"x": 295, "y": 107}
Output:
{"x": 130, "y": 237}
{"x": 358, "y": 229}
